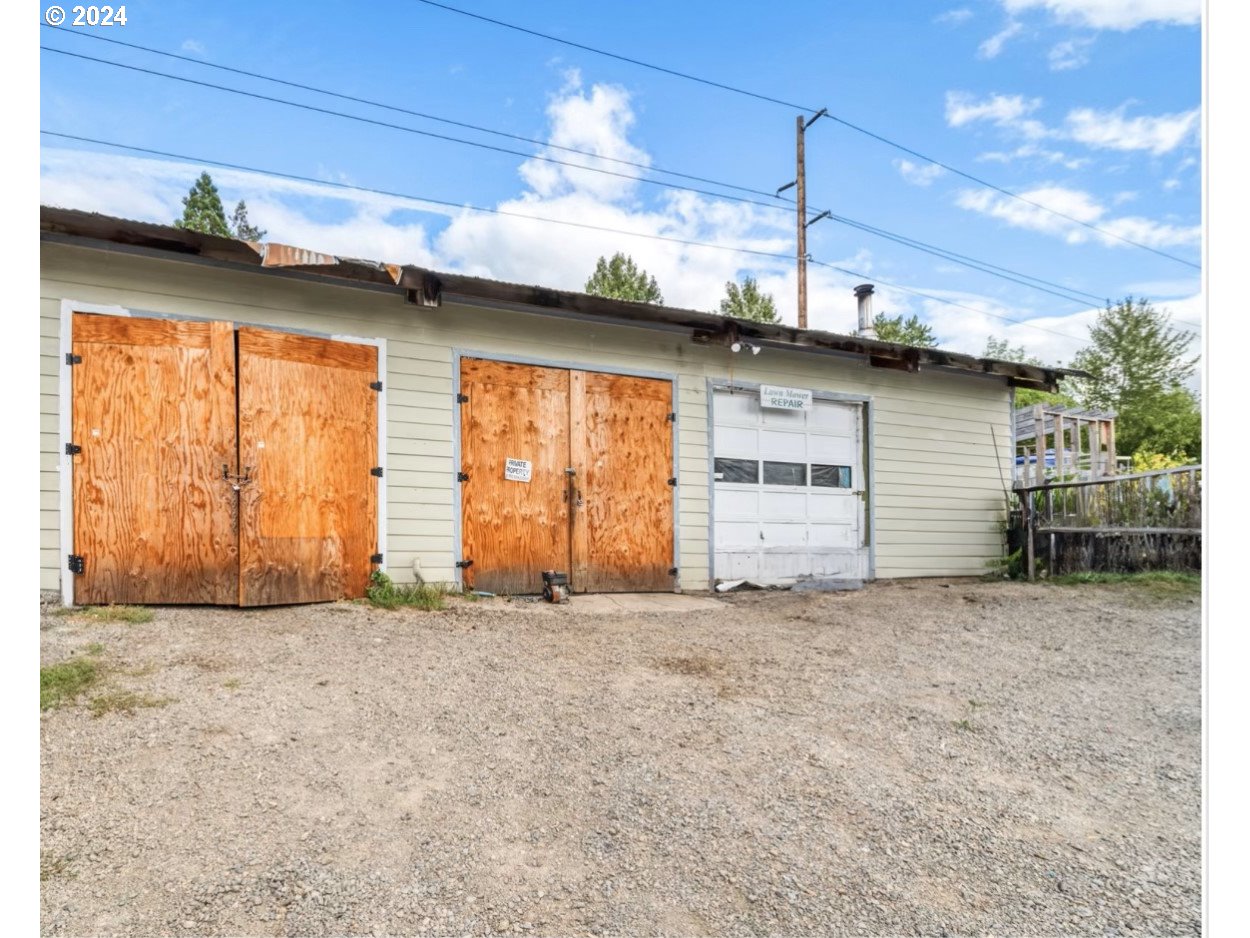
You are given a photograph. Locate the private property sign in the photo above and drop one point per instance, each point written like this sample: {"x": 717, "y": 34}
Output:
{"x": 517, "y": 470}
{"x": 785, "y": 398}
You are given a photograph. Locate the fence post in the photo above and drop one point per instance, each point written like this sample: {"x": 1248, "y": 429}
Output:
{"x": 1028, "y": 533}
{"x": 1050, "y": 518}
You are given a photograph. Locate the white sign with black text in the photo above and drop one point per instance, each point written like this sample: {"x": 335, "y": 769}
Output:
{"x": 785, "y": 398}
{"x": 517, "y": 470}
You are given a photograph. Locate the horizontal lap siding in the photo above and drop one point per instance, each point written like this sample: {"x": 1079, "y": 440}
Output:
{"x": 49, "y": 440}
{"x": 935, "y": 453}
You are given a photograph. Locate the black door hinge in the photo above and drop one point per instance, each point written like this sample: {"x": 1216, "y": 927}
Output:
{"x": 375, "y": 558}
{"x": 671, "y": 417}
{"x": 672, "y": 571}
{"x": 376, "y": 385}
{"x": 464, "y": 564}
{"x": 72, "y": 359}
{"x": 72, "y": 449}
{"x": 462, "y": 477}
{"x": 77, "y": 564}
{"x": 462, "y": 398}
{"x": 673, "y": 481}
{"x": 376, "y": 471}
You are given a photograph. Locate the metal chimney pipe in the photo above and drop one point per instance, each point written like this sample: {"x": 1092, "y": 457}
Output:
{"x": 863, "y": 293}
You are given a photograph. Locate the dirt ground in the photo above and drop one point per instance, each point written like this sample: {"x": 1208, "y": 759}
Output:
{"x": 936, "y": 757}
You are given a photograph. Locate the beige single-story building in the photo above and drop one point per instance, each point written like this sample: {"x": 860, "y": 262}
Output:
{"x": 236, "y": 423}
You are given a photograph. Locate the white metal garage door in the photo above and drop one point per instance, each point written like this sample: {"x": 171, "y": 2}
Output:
{"x": 789, "y": 490}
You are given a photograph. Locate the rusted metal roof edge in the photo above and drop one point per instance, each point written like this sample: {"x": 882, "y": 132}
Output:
{"x": 427, "y": 288}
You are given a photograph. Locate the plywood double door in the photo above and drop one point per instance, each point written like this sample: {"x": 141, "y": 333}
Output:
{"x": 220, "y": 465}
{"x": 565, "y": 470}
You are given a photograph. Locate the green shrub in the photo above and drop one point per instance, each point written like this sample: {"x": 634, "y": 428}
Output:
{"x": 386, "y": 594}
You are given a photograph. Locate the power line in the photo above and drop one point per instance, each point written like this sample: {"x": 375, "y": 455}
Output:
{"x": 555, "y": 221}
{"x": 401, "y": 110}
{"x": 1068, "y": 293}
{"x": 620, "y": 58}
{"x": 964, "y": 260}
{"x": 413, "y": 130}
{"x": 845, "y": 123}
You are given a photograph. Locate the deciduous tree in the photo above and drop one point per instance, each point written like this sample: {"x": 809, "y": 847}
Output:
{"x": 1139, "y": 365}
{"x": 748, "y": 302}
{"x": 621, "y": 279}
{"x": 909, "y": 331}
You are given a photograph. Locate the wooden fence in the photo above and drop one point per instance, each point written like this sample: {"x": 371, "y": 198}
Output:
{"x": 1146, "y": 520}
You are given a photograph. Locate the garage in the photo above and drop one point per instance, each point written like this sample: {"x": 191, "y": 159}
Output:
{"x": 518, "y": 429}
{"x": 789, "y": 486}
{"x": 569, "y": 470}
{"x": 219, "y": 464}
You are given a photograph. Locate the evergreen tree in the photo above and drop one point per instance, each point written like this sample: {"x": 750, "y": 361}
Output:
{"x": 747, "y": 302}
{"x": 242, "y": 228}
{"x": 202, "y": 210}
{"x": 621, "y": 279}
{"x": 909, "y": 331}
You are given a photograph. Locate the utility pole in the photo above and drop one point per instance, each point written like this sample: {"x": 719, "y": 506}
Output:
{"x": 800, "y": 182}
{"x": 800, "y": 126}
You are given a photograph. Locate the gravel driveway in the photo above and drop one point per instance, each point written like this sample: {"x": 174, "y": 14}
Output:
{"x": 936, "y": 757}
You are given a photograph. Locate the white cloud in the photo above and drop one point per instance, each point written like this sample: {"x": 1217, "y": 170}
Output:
{"x": 918, "y": 175}
{"x": 193, "y": 46}
{"x": 1069, "y": 54}
{"x": 598, "y": 122}
{"x": 1112, "y": 130}
{"x": 1002, "y": 109}
{"x": 152, "y": 190}
{"x": 992, "y": 47}
{"x": 402, "y": 230}
{"x": 1079, "y": 206}
{"x": 1103, "y": 130}
{"x": 1032, "y": 151}
{"x": 1113, "y": 14}
{"x": 1170, "y": 184}
{"x": 954, "y": 17}
{"x": 1052, "y": 338}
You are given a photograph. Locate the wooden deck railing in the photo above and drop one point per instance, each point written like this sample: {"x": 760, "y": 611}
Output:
{"x": 1164, "y": 502}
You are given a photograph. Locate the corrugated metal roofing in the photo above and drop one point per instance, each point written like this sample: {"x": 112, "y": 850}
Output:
{"x": 428, "y": 288}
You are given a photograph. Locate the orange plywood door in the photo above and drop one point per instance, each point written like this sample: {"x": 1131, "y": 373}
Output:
{"x": 308, "y": 440}
{"x": 623, "y": 453}
{"x": 153, "y": 410}
{"x": 514, "y": 529}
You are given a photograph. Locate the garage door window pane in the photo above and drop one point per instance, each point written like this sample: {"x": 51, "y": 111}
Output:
{"x": 833, "y": 477}
{"x": 785, "y": 473}
{"x": 737, "y": 470}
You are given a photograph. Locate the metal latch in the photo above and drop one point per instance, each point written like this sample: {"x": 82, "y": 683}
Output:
{"x": 462, "y": 477}
{"x": 72, "y": 449}
{"x": 376, "y": 471}
{"x": 464, "y": 564}
{"x": 77, "y": 564}
{"x": 236, "y": 481}
{"x": 375, "y": 558}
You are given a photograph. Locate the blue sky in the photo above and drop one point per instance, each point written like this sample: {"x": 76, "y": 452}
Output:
{"x": 1087, "y": 106}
